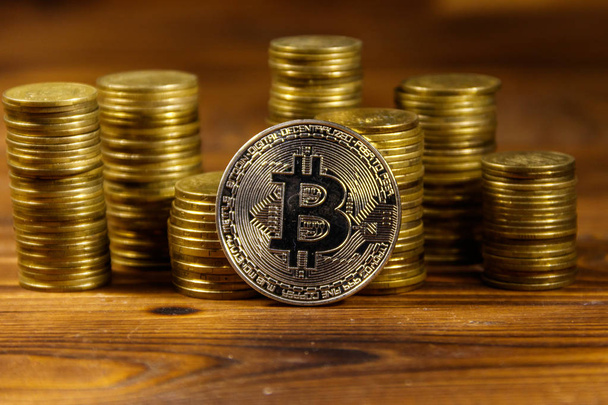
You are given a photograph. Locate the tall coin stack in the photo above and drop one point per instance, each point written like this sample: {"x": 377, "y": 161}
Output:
{"x": 199, "y": 266}
{"x": 529, "y": 206}
{"x": 458, "y": 115}
{"x": 399, "y": 139}
{"x": 150, "y": 139}
{"x": 55, "y": 170}
{"x": 312, "y": 74}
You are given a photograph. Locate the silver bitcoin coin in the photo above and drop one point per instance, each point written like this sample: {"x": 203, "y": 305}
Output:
{"x": 308, "y": 212}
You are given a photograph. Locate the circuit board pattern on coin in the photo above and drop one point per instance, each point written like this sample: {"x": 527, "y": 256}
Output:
{"x": 308, "y": 212}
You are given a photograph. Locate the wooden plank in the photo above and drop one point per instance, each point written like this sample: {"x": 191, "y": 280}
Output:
{"x": 452, "y": 341}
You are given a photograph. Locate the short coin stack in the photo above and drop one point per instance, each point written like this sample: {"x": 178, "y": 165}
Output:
{"x": 200, "y": 268}
{"x": 458, "y": 115}
{"x": 55, "y": 169}
{"x": 529, "y": 205}
{"x": 150, "y": 139}
{"x": 399, "y": 139}
{"x": 312, "y": 74}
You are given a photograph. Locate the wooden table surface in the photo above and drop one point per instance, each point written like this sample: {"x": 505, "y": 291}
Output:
{"x": 452, "y": 341}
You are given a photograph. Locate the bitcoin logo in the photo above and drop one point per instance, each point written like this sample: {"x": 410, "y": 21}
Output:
{"x": 308, "y": 212}
{"x": 311, "y": 220}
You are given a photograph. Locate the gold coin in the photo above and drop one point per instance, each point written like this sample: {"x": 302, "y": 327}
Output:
{"x": 69, "y": 276}
{"x": 398, "y": 283}
{"x": 193, "y": 234}
{"x": 202, "y": 187}
{"x": 45, "y": 120}
{"x": 532, "y": 228}
{"x": 54, "y": 94}
{"x": 407, "y": 166}
{"x": 407, "y": 263}
{"x": 62, "y": 234}
{"x": 193, "y": 243}
{"x": 451, "y": 84}
{"x": 69, "y": 146}
{"x": 59, "y": 131}
{"x": 59, "y": 268}
{"x": 407, "y": 150}
{"x": 529, "y": 162}
{"x": 372, "y": 120}
{"x": 316, "y": 44}
{"x": 150, "y": 134}
{"x": 281, "y": 67}
{"x": 209, "y": 273}
{"x": 561, "y": 221}
{"x": 531, "y": 277}
{"x": 390, "y": 291}
{"x": 192, "y": 215}
{"x": 402, "y": 246}
{"x": 107, "y": 121}
{"x": 57, "y": 170}
{"x": 60, "y": 183}
{"x": 528, "y": 177}
{"x": 526, "y": 287}
{"x": 63, "y": 286}
{"x": 207, "y": 285}
{"x": 332, "y": 89}
{"x": 42, "y": 142}
{"x": 529, "y": 195}
{"x": 412, "y": 135}
{"x": 197, "y": 252}
{"x": 453, "y": 112}
{"x": 389, "y": 276}
{"x": 150, "y": 107}
{"x": 406, "y": 257}
{"x": 202, "y": 264}
{"x": 147, "y": 81}
{"x": 193, "y": 205}
{"x": 535, "y": 186}
{"x": 560, "y": 178}
{"x": 291, "y": 109}
{"x": 531, "y": 262}
{"x": 312, "y": 98}
{"x": 22, "y": 112}
{"x": 533, "y": 267}
{"x": 130, "y": 96}
{"x": 213, "y": 278}
{"x": 134, "y": 259}
{"x": 34, "y": 196}
{"x": 60, "y": 256}
{"x": 170, "y": 174}
{"x": 417, "y": 101}
{"x": 531, "y": 247}
{"x": 216, "y": 295}
{"x": 194, "y": 225}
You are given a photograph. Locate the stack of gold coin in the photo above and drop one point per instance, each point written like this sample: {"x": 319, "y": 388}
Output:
{"x": 55, "y": 169}
{"x": 312, "y": 74}
{"x": 398, "y": 137}
{"x": 200, "y": 267}
{"x": 458, "y": 115}
{"x": 150, "y": 139}
{"x": 529, "y": 206}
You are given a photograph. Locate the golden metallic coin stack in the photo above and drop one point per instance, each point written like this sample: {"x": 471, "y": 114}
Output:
{"x": 529, "y": 206}
{"x": 150, "y": 139}
{"x": 55, "y": 170}
{"x": 199, "y": 266}
{"x": 398, "y": 137}
{"x": 312, "y": 74}
{"x": 458, "y": 115}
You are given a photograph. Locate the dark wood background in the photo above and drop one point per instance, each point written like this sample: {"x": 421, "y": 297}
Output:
{"x": 453, "y": 341}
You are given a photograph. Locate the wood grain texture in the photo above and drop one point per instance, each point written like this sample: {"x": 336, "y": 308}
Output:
{"x": 452, "y": 341}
